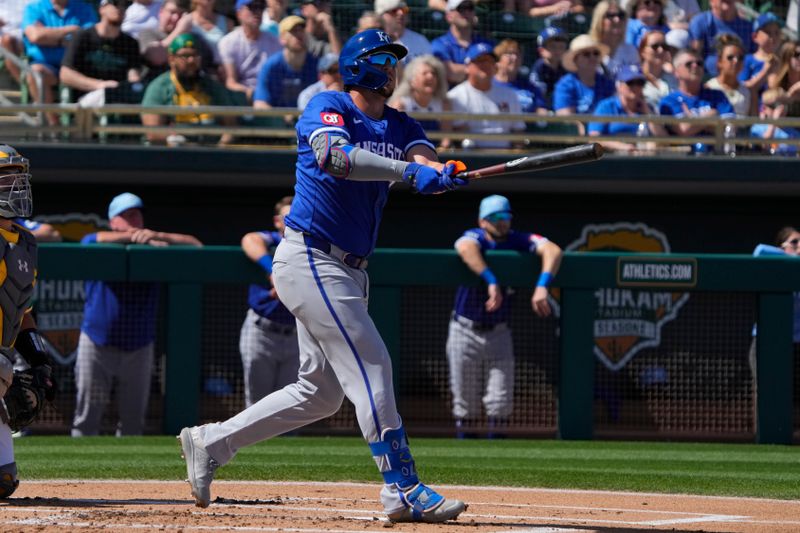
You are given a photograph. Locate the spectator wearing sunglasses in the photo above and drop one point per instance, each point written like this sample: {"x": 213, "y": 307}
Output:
{"x": 102, "y": 57}
{"x": 691, "y": 99}
{"x": 629, "y": 101}
{"x": 394, "y": 18}
{"x": 451, "y": 48}
{"x": 584, "y": 86}
{"x": 655, "y": 55}
{"x": 730, "y": 61}
{"x": 645, "y": 16}
{"x": 244, "y": 50}
{"x": 283, "y": 76}
{"x": 721, "y": 18}
{"x": 608, "y": 28}
{"x": 329, "y": 80}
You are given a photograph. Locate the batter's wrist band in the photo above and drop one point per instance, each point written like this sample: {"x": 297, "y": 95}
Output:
{"x": 545, "y": 279}
{"x": 266, "y": 263}
{"x": 489, "y": 277}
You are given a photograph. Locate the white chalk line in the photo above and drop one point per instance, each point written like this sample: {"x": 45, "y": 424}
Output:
{"x": 369, "y": 514}
{"x": 376, "y": 485}
{"x": 365, "y": 514}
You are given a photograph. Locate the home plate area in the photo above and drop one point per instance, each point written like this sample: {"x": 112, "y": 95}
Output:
{"x": 124, "y": 505}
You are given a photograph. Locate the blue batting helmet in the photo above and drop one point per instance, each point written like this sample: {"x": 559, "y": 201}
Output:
{"x": 356, "y": 71}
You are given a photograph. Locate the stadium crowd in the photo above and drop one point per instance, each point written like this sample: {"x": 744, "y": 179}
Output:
{"x": 609, "y": 58}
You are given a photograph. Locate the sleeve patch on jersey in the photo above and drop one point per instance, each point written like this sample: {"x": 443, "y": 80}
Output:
{"x": 331, "y": 118}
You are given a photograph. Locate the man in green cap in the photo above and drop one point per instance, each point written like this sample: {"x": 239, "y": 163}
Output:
{"x": 184, "y": 85}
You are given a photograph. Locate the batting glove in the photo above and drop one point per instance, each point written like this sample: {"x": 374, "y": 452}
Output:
{"x": 428, "y": 180}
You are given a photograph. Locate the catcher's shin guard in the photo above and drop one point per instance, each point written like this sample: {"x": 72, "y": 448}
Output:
{"x": 422, "y": 504}
{"x": 8, "y": 480}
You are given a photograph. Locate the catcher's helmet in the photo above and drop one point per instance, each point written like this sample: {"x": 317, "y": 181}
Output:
{"x": 15, "y": 184}
{"x": 356, "y": 71}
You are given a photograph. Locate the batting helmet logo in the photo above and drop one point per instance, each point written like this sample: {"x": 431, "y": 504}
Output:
{"x": 332, "y": 119}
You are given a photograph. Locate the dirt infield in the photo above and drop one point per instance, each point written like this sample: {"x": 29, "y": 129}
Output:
{"x": 351, "y": 507}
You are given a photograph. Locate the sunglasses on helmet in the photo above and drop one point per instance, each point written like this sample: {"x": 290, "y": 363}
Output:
{"x": 381, "y": 59}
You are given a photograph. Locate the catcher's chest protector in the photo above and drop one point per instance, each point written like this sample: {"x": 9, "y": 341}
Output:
{"x": 17, "y": 277}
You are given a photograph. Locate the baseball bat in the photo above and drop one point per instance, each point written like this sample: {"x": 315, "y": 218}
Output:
{"x": 573, "y": 155}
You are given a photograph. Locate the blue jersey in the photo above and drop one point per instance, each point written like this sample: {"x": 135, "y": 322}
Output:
{"x": 529, "y": 96}
{"x": 637, "y": 29}
{"x": 612, "y": 107}
{"x": 471, "y": 301}
{"x": 446, "y": 47}
{"x": 279, "y": 85}
{"x": 344, "y": 212}
{"x": 42, "y": 12}
{"x": 120, "y": 314}
{"x": 259, "y": 298}
{"x": 752, "y": 66}
{"x": 571, "y": 92}
{"x": 672, "y": 104}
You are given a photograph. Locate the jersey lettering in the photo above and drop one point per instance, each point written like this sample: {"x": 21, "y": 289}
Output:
{"x": 332, "y": 119}
{"x": 383, "y": 149}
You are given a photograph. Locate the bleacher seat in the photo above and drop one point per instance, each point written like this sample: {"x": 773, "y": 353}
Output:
{"x": 521, "y": 28}
{"x": 429, "y": 22}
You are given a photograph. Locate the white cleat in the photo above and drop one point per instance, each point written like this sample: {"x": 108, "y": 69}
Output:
{"x": 200, "y": 466}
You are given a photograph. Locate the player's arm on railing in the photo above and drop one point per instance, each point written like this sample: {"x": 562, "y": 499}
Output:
{"x": 470, "y": 252}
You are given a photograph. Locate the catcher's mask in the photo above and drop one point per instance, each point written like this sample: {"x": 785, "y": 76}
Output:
{"x": 16, "y": 199}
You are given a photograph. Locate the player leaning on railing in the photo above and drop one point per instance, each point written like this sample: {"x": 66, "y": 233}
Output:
{"x": 24, "y": 391}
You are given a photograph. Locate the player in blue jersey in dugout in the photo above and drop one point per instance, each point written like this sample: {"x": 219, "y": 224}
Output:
{"x": 268, "y": 339}
{"x": 351, "y": 148}
{"x": 480, "y": 351}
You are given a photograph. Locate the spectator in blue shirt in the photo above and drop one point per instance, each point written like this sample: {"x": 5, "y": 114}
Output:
{"x": 119, "y": 328}
{"x": 721, "y": 18}
{"x": 584, "y": 86}
{"x": 284, "y": 76}
{"x": 552, "y": 43}
{"x": 509, "y": 61}
{"x": 451, "y": 48}
{"x": 764, "y": 61}
{"x": 692, "y": 99}
{"x": 629, "y": 101}
{"x": 48, "y": 26}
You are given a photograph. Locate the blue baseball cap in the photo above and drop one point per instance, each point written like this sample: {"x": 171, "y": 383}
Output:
{"x": 494, "y": 204}
{"x": 122, "y": 203}
{"x": 246, "y": 3}
{"x": 551, "y": 32}
{"x": 627, "y": 73}
{"x": 766, "y": 18}
{"x": 477, "y": 50}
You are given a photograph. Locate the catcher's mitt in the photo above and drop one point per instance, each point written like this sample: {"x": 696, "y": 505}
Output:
{"x": 27, "y": 394}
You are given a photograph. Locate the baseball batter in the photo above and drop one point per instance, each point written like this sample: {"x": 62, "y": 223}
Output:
{"x": 268, "y": 340}
{"x": 480, "y": 351}
{"x": 23, "y": 391}
{"x": 351, "y": 147}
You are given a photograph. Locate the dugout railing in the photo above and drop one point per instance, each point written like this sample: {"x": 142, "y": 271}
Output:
{"x": 116, "y": 124}
{"x": 188, "y": 273}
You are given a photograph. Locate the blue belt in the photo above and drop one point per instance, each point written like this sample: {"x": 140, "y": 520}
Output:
{"x": 269, "y": 325}
{"x": 347, "y": 258}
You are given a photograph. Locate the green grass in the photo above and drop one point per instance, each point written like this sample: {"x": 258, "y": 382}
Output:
{"x": 713, "y": 469}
